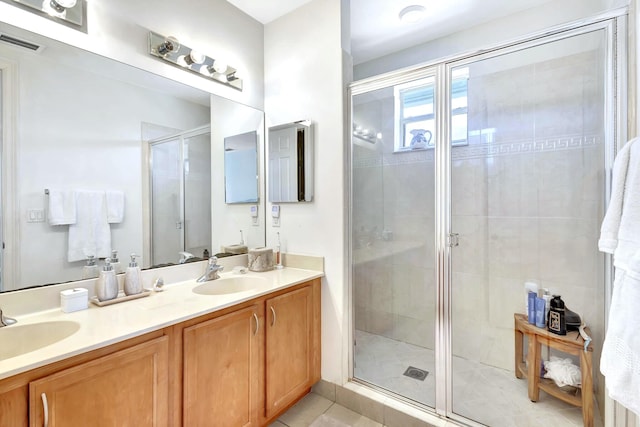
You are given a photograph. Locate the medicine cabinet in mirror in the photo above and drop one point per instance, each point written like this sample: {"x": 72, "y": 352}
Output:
{"x": 291, "y": 162}
{"x": 81, "y": 121}
{"x": 241, "y": 168}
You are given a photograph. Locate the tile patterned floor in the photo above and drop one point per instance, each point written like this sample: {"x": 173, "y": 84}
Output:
{"x": 316, "y": 411}
{"x": 486, "y": 394}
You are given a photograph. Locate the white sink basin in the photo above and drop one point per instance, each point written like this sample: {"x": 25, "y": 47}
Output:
{"x": 230, "y": 285}
{"x": 20, "y": 339}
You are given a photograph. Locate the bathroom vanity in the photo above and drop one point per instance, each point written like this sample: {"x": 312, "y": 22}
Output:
{"x": 177, "y": 358}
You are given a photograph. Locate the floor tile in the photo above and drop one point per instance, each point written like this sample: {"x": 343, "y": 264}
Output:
{"x": 349, "y": 418}
{"x": 305, "y": 412}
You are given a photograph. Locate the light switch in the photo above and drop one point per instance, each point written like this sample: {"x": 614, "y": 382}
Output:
{"x": 35, "y": 215}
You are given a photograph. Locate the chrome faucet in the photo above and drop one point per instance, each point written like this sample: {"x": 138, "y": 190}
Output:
{"x": 212, "y": 270}
{"x": 6, "y": 321}
{"x": 185, "y": 257}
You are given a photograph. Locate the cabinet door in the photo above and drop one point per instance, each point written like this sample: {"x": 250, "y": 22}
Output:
{"x": 222, "y": 370}
{"x": 289, "y": 348}
{"x": 126, "y": 388}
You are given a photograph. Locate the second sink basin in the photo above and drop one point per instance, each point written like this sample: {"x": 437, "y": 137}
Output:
{"x": 230, "y": 285}
{"x": 16, "y": 340}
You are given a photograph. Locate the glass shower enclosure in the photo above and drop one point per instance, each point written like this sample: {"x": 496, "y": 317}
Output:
{"x": 469, "y": 178}
{"x": 180, "y": 169}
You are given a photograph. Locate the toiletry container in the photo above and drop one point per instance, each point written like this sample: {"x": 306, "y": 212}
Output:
{"x": 132, "y": 278}
{"x": 529, "y": 287}
{"x": 278, "y": 254}
{"x": 557, "y": 322}
{"x": 74, "y": 299}
{"x": 540, "y": 319}
{"x": 260, "y": 259}
{"x": 531, "y": 307}
{"x": 115, "y": 262}
{"x": 90, "y": 271}
{"x": 547, "y": 304}
{"x": 107, "y": 284}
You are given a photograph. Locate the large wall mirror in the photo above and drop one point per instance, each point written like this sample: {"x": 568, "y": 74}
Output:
{"x": 291, "y": 162}
{"x": 78, "y": 122}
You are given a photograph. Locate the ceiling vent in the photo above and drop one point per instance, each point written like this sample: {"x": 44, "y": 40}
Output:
{"x": 20, "y": 43}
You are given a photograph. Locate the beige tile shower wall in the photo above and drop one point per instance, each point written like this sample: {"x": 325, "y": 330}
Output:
{"x": 527, "y": 202}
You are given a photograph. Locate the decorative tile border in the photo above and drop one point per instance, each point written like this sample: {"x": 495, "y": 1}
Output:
{"x": 477, "y": 149}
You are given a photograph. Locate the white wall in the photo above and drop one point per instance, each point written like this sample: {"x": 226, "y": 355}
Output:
{"x": 230, "y": 118}
{"x": 304, "y": 80}
{"x": 119, "y": 29}
{"x": 485, "y": 35}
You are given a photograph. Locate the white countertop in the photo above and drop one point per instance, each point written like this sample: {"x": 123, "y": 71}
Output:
{"x": 103, "y": 326}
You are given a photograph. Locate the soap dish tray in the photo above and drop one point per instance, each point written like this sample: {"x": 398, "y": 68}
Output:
{"x": 120, "y": 298}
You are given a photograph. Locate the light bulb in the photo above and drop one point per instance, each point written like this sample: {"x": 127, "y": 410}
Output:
{"x": 195, "y": 57}
{"x": 67, "y": 4}
{"x": 170, "y": 44}
{"x": 204, "y": 70}
{"x": 219, "y": 66}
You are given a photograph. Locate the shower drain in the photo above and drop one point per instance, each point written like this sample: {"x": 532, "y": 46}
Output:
{"x": 415, "y": 373}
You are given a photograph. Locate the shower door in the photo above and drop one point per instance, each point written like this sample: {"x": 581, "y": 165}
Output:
{"x": 468, "y": 179}
{"x": 527, "y": 200}
{"x": 180, "y": 195}
{"x": 393, "y": 261}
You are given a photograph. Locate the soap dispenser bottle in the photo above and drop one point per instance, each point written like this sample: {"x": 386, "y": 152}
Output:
{"x": 90, "y": 271}
{"x": 132, "y": 279}
{"x": 115, "y": 262}
{"x": 107, "y": 284}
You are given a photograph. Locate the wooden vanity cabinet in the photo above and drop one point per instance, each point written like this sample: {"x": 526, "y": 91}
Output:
{"x": 221, "y": 364}
{"x": 290, "y": 348}
{"x": 241, "y": 366}
{"x": 126, "y": 388}
{"x": 246, "y": 367}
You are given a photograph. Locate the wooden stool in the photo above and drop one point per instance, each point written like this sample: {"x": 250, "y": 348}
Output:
{"x": 572, "y": 343}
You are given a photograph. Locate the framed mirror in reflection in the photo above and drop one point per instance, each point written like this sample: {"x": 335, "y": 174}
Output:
{"x": 241, "y": 168}
{"x": 77, "y": 122}
{"x": 291, "y": 162}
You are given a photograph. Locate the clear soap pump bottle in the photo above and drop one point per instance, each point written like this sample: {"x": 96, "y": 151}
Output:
{"x": 132, "y": 279}
{"x": 107, "y": 284}
{"x": 115, "y": 262}
{"x": 90, "y": 271}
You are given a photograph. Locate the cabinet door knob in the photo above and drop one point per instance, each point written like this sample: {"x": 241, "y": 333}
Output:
{"x": 273, "y": 316}
{"x": 45, "y": 406}
{"x": 255, "y": 317}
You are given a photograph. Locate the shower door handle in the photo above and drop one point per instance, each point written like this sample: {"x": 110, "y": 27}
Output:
{"x": 454, "y": 240}
{"x": 178, "y": 225}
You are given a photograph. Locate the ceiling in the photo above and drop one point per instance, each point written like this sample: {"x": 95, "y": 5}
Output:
{"x": 377, "y": 31}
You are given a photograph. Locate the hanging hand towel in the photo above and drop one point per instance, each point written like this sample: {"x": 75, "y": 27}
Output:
{"x": 90, "y": 235}
{"x": 62, "y": 207}
{"x": 115, "y": 207}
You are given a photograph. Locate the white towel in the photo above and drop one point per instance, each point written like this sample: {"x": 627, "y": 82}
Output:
{"x": 115, "y": 207}
{"x": 62, "y": 207}
{"x": 620, "y": 235}
{"x": 90, "y": 235}
{"x": 620, "y": 360}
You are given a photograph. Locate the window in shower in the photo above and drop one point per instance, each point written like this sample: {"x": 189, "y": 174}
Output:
{"x": 415, "y": 116}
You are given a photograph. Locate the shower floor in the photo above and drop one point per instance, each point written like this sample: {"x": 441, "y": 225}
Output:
{"x": 486, "y": 394}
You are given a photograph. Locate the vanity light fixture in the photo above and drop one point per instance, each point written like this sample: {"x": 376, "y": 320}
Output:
{"x": 71, "y": 13}
{"x": 368, "y": 135}
{"x": 171, "y": 50}
{"x": 412, "y": 14}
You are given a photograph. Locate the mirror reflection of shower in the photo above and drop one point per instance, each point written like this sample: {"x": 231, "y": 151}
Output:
{"x": 180, "y": 188}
